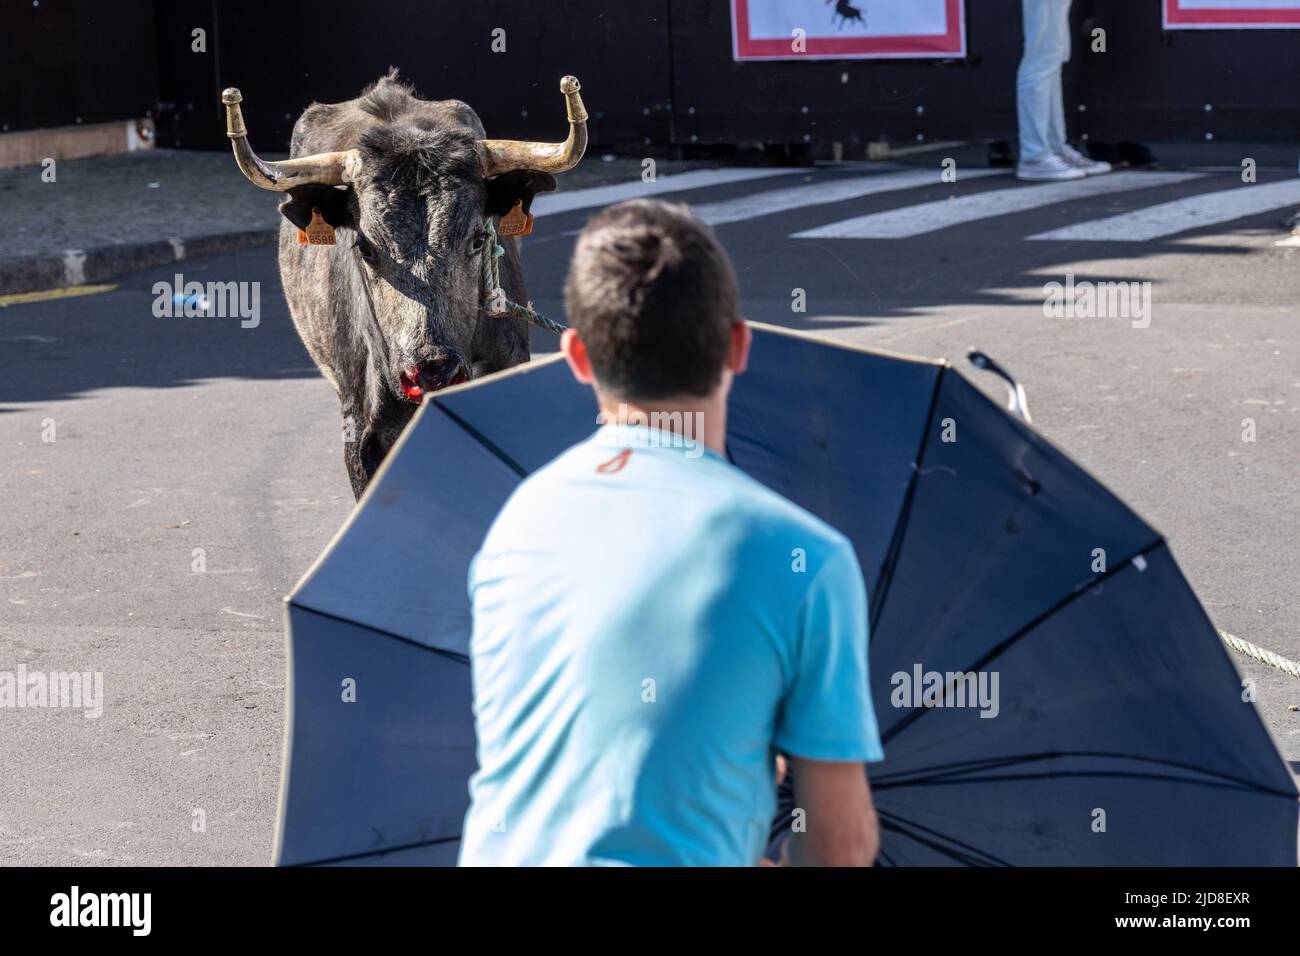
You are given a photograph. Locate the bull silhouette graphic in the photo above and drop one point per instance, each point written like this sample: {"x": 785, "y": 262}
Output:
{"x": 844, "y": 12}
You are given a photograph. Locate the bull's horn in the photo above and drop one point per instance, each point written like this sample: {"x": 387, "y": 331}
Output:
{"x": 323, "y": 169}
{"x": 498, "y": 156}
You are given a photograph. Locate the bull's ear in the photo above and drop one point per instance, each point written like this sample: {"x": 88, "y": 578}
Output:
{"x": 523, "y": 184}
{"x": 331, "y": 201}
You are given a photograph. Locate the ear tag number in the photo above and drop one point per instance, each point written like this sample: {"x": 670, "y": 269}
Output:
{"x": 516, "y": 222}
{"x": 318, "y": 231}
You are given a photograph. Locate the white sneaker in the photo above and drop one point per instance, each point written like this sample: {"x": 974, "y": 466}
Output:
{"x": 1090, "y": 167}
{"x": 1048, "y": 168}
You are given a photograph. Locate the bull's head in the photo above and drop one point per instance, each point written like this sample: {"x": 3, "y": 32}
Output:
{"x": 416, "y": 193}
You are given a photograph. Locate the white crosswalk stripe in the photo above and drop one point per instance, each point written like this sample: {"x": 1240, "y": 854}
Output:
{"x": 1180, "y": 215}
{"x": 945, "y": 213}
{"x": 551, "y": 203}
{"x": 822, "y": 193}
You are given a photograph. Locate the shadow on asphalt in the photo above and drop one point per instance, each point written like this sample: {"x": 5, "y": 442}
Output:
{"x": 65, "y": 348}
{"x": 987, "y": 263}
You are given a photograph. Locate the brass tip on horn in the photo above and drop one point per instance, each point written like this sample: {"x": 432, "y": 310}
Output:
{"x": 497, "y": 156}
{"x": 571, "y": 88}
{"x": 326, "y": 169}
{"x": 234, "y": 115}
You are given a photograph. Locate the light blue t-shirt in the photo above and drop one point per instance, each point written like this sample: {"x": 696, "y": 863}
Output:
{"x": 650, "y": 626}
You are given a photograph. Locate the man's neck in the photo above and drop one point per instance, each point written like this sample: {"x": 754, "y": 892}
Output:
{"x": 701, "y": 420}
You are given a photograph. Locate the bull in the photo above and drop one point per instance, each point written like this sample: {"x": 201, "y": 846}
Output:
{"x": 393, "y": 310}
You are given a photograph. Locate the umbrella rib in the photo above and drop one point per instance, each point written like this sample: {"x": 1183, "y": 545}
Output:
{"x": 1124, "y": 860}
{"x": 959, "y": 766}
{"x": 890, "y": 562}
{"x": 947, "y": 772}
{"x": 452, "y": 655}
{"x": 392, "y": 849}
{"x": 1008, "y": 760}
{"x": 997, "y": 649}
{"x": 971, "y": 858}
{"x": 899, "y": 823}
{"x": 1118, "y": 774}
{"x": 483, "y": 440}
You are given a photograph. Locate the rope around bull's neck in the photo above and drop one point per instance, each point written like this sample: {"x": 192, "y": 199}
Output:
{"x": 495, "y": 302}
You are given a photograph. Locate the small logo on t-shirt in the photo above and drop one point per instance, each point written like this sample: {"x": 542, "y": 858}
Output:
{"x": 615, "y": 464}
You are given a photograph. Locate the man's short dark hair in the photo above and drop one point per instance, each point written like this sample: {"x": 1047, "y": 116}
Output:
{"x": 652, "y": 295}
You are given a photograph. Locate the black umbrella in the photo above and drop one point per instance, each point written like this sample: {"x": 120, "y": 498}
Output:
{"x": 1048, "y": 688}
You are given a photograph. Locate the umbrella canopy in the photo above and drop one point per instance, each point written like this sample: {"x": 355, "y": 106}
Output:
{"x": 1112, "y": 730}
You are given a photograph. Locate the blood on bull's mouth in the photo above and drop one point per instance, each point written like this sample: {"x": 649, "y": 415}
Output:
{"x": 418, "y": 380}
{"x": 411, "y": 390}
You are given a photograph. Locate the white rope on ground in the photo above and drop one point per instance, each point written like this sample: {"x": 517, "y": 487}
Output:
{"x": 1258, "y": 653}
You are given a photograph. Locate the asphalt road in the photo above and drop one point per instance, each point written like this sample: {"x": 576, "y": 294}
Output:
{"x": 196, "y": 469}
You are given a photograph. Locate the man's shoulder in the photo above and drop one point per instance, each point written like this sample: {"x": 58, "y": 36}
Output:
{"x": 540, "y": 484}
{"x": 772, "y": 514}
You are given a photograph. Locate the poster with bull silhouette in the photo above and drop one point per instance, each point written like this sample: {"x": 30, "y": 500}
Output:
{"x": 847, "y": 29}
{"x": 1232, "y": 14}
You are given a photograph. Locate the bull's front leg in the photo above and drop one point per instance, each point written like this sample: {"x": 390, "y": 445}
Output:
{"x": 366, "y": 444}
{"x": 358, "y": 451}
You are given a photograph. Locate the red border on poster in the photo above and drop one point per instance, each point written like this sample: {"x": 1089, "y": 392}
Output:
{"x": 1176, "y": 15}
{"x": 946, "y": 45}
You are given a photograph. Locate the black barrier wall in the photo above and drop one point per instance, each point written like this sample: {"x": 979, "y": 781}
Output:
{"x": 654, "y": 72}
{"x": 284, "y": 56}
{"x": 1147, "y": 85}
{"x": 69, "y": 62}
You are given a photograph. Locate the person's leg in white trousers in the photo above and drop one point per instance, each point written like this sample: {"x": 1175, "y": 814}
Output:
{"x": 1039, "y": 107}
{"x": 1056, "y": 110}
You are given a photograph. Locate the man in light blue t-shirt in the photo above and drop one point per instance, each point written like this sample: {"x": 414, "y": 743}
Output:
{"x": 642, "y": 648}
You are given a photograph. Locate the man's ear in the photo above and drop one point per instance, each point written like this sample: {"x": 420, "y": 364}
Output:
{"x": 742, "y": 337}
{"x": 575, "y": 353}
{"x": 332, "y": 203}
{"x": 523, "y": 184}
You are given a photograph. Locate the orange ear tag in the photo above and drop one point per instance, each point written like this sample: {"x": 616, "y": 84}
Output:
{"x": 318, "y": 231}
{"x": 516, "y": 222}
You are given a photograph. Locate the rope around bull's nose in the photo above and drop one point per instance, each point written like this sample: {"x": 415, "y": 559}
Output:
{"x": 495, "y": 302}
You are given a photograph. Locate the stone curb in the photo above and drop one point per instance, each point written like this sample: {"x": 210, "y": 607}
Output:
{"x": 96, "y": 264}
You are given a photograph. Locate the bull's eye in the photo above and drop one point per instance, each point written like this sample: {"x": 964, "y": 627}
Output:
{"x": 476, "y": 246}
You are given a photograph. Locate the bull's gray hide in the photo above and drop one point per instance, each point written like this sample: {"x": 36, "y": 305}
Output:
{"x": 392, "y": 310}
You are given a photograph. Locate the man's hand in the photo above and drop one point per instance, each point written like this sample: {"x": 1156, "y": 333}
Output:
{"x": 780, "y": 779}
{"x": 840, "y": 820}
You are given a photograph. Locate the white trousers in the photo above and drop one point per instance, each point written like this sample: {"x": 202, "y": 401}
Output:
{"x": 1040, "y": 110}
